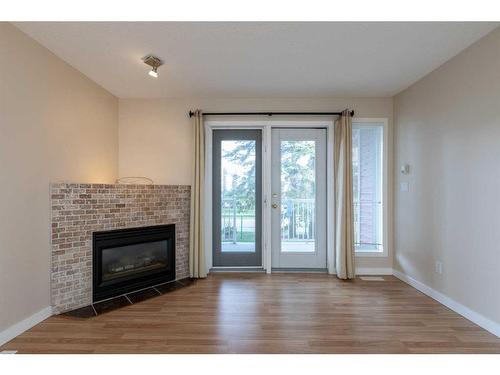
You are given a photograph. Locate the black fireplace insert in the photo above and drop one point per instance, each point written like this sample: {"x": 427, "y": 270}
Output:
{"x": 125, "y": 260}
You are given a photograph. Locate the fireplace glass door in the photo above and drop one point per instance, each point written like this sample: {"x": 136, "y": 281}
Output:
{"x": 129, "y": 260}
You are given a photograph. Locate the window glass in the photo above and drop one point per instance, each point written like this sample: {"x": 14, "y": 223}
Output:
{"x": 367, "y": 163}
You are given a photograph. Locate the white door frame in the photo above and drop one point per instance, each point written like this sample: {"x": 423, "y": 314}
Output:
{"x": 266, "y": 126}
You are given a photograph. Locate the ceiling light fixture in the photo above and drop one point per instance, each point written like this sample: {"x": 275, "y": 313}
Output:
{"x": 154, "y": 62}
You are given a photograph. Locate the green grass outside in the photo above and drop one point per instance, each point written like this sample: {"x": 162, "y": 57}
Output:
{"x": 245, "y": 237}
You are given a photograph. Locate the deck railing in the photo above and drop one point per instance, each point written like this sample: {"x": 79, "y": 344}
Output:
{"x": 236, "y": 226}
{"x": 298, "y": 221}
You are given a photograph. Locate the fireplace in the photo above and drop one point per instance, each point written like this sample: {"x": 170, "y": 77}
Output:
{"x": 125, "y": 260}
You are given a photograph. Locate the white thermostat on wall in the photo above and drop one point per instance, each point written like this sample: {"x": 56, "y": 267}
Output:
{"x": 405, "y": 169}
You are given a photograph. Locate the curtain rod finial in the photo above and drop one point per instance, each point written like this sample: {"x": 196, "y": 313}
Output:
{"x": 191, "y": 113}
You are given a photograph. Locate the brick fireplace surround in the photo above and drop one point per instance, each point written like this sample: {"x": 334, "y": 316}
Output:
{"x": 78, "y": 210}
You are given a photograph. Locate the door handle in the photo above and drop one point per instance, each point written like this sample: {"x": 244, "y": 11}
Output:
{"x": 274, "y": 205}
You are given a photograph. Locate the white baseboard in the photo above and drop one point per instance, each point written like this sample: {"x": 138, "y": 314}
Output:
{"x": 466, "y": 312}
{"x": 369, "y": 271}
{"x": 24, "y": 325}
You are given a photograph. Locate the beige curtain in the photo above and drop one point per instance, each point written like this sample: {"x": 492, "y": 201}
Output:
{"x": 344, "y": 217}
{"x": 196, "y": 228}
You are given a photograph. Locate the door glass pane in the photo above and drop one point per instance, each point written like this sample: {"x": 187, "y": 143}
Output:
{"x": 298, "y": 196}
{"x": 238, "y": 164}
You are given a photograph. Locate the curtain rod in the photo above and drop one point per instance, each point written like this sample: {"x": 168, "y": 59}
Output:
{"x": 191, "y": 113}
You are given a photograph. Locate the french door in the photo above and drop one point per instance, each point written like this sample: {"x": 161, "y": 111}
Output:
{"x": 237, "y": 198}
{"x": 298, "y": 198}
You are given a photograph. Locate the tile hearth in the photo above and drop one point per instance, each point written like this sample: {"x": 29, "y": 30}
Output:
{"x": 111, "y": 304}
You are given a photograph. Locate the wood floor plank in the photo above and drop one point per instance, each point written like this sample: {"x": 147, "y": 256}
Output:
{"x": 259, "y": 313}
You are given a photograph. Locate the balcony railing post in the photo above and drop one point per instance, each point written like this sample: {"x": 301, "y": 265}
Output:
{"x": 235, "y": 239}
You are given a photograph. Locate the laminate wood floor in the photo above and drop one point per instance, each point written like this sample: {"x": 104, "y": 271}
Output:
{"x": 259, "y": 313}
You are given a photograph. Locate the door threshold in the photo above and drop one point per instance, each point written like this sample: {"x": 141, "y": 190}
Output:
{"x": 299, "y": 270}
{"x": 237, "y": 269}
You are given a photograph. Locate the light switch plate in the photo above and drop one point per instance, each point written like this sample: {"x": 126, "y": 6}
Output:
{"x": 404, "y": 186}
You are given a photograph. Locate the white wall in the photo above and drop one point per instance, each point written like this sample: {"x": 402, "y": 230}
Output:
{"x": 55, "y": 125}
{"x": 447, "y": 128}
{"x": 156, "y": 135}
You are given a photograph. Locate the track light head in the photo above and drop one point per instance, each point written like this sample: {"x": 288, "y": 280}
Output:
{"x": 153, "y": 72}
{"x": 154, "y": 62}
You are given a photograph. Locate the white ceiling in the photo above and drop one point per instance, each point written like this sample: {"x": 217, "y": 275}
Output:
{"x": 228, "y": 59}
